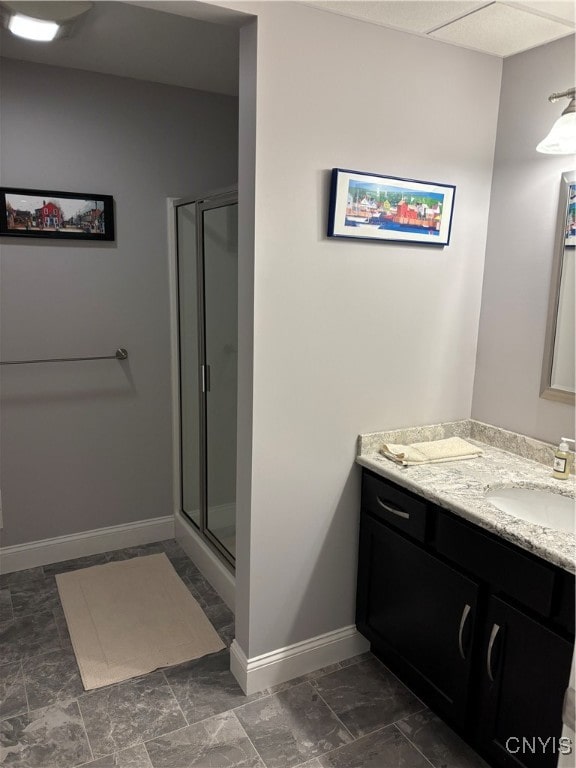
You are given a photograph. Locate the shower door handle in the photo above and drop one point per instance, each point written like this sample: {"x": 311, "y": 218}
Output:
{"x": 205, "y": 378}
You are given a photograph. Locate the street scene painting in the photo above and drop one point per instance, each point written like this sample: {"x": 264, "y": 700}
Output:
{"x": 65, "y": 215}
{"x": 378, "y": 207}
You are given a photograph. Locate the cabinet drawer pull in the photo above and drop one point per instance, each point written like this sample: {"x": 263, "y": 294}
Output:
{"x": 463, "y": 621}
{"x": 493, "y": 635}
{"x": 393, "y": 510}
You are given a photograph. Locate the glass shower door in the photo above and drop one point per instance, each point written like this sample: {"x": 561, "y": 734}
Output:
{"x": 190, "y": 371}
{"x": 220, "y": 246}
{"x": 207, "y": 240}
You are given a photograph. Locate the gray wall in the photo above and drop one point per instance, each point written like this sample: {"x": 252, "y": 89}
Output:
{"x": 348, "y": 336}
{"x": 87, "y": 445}
{"x": 523, "y": 210}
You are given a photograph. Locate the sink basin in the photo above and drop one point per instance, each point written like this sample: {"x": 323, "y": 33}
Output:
{"x": 536, "y": 506}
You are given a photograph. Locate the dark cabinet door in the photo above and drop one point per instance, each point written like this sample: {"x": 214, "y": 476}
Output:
{"x": 419, "y": 615}
{"x": 525, "y": 673}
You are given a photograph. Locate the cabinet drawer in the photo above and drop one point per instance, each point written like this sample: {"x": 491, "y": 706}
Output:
{"x": 397, "y": 507}
{"x": 503, "y": 567}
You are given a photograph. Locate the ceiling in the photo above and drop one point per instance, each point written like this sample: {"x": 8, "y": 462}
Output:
{"x": 502, "y": 28}
{"x": 117, "y": 38}
{"x": 195, "y": 45}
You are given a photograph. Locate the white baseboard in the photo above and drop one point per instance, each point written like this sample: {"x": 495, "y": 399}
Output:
{"x": 284, "y": 664}
{"x": 46, "y": 551}
{"x": 208, "y": 563}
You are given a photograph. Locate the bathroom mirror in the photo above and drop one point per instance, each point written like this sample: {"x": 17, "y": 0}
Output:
{"x": 558, "y": 370}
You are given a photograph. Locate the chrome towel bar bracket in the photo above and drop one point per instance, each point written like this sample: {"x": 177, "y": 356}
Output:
{"x": 120, "y": 354}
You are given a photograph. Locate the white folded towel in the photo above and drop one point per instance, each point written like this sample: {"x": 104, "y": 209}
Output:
{"x": 432, "y": 452}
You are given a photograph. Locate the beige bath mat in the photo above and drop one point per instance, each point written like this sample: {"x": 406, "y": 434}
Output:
{"x": 131, "y": 617}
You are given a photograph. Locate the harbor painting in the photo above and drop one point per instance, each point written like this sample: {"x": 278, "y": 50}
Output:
{"x": 375, "y": 207}
{"x": 64, "y": 215}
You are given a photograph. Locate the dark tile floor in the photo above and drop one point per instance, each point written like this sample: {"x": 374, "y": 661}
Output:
{"x": 351, "y": 715}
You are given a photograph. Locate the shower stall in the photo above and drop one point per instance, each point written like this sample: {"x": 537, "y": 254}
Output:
{"x": 207, "y": 290}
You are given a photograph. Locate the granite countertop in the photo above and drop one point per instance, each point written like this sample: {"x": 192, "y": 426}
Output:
{"x": 508, "y": 459}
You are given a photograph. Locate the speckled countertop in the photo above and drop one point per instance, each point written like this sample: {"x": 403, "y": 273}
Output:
{"x": 508, "y": 459}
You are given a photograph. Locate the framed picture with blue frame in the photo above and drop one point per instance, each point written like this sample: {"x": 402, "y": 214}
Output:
{"x": 370, "y": 206}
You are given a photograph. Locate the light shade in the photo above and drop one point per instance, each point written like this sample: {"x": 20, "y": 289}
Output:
{"x": 562, "y": 138}
{"x": 42, "y": 20}
{"x": 33, "y": 29}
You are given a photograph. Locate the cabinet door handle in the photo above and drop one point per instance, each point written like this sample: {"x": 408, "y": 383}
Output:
{"x": 463, "y": 621}
{"x": 493, "y": 635}
{"x": 393, "y": 510}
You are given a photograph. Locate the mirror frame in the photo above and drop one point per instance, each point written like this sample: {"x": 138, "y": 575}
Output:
{"x": 547, "y": 391}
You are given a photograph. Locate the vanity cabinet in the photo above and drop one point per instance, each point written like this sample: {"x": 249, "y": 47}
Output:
{"x": 421, "y": 611}
{"x": 522, "y": 687}
{"x": 482, "y": 631}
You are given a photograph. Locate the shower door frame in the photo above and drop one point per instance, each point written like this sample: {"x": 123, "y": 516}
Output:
{"x": 219, "y": 199}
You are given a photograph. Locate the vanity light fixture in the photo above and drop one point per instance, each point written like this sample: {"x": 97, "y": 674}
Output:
{"x": 562, "y": 138}
{"x": 41, "y": 21}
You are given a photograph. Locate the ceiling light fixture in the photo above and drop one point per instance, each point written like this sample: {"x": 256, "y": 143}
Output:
{"x": 32, "y": 29}
{"x": 41, "y": 21}
{"x": 562, "y": 137}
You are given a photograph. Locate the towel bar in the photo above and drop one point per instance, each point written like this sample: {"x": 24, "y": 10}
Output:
{"x": 120, "y": 354}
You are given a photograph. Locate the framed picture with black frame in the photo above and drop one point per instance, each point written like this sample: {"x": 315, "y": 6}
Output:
{"x": 56, "y": 215}
{"x": 370, "y": 206}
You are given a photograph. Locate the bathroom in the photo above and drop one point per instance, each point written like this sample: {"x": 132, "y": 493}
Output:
{"x": 336, "y": 338}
